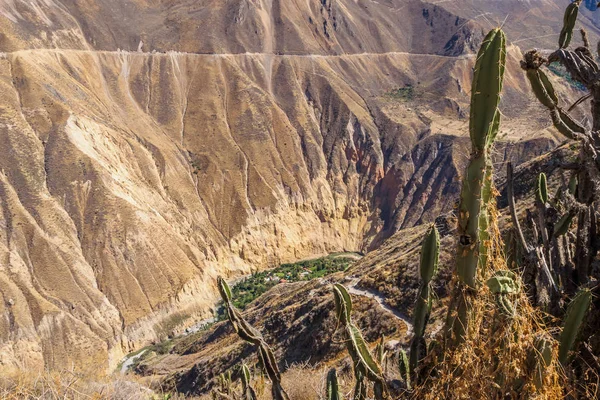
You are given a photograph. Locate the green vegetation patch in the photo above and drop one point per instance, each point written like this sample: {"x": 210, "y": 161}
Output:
{"x": 249, "y": 289}
{"x": 408, "y": 92}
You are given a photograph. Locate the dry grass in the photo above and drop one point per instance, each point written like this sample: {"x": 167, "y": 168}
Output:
{"x": 72, "y": 385}
{"x": 301, "y": 382}
{"x": 495, "y": 360}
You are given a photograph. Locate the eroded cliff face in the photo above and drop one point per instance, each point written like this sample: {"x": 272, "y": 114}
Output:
{"x": 130, "y": 179}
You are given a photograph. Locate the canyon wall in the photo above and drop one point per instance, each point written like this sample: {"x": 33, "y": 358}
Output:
{"x": 149, "y": 146}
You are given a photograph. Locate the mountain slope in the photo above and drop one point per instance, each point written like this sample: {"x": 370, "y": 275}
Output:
{"x": 130, "y": 179}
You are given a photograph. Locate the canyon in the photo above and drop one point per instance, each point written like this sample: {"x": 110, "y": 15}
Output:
{"x": 149, "y": 146}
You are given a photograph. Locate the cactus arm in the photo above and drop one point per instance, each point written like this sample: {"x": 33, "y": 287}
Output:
{"x": 430, "y": 252}
{"x": 360, "y": 388}
{"x": 486, "y": 197}
{"x": 563, "y": 224}
{"x": 542, "y": 189}
{"x": 343, "y": 303}
{"x": 542, "y": 88}
{"x": 361, "y": 355}
{"x": 569, "y": 20}
{"x": 224, "y": 289}
{"x": 248, "y": 392}
{"x": 485, "y": 94}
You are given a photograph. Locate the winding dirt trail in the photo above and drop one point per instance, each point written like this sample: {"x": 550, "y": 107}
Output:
{"x": 233, "y": 55}
{"x": 129, "y": 360}
{"x": 381, "y": 301}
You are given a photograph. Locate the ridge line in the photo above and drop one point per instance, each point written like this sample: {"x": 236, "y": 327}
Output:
{"x": 247, "y": 54}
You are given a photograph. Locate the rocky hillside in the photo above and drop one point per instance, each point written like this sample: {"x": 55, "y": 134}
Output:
{"x": 149, "y": 146}
{"x": 299, "y": 319}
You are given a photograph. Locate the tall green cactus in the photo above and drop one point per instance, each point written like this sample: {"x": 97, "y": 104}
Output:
{"x": 252, "y": 335}
{"x": 430, "y": 251}
{"x": 365, "y": 365}
{"x": 333, "y": 387}
{"x": 477, "y": 183}
{"x": 576, "y": 311}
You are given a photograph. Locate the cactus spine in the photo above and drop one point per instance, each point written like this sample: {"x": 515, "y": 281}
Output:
{"x": 333, "y": 387}
{"x": 430, "y": 251}
{"x": 483, "y": 128}
{"x": 365, "y": 365}
{"x": 578, "y": 308}
{"x": 252, "y": 335}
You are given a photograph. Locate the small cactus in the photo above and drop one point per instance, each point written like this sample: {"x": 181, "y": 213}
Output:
{"x": 252, "y": 335}
{"x": 541, "y": 193}
{"x": 541, "y": 359}
{"x": 430, "y": 251}
{"x": 224, "y": 390}
{"x": 365, "y": 365}
{"x": 502, "y": 284}
{"x": 248, "y": 392}
{"x": 404, "y": 368}
{"x": 576, "y": 312}
{"x": 333, "y": 387}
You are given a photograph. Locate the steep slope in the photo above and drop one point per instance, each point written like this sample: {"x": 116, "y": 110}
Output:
{"x": 130, "y": 179}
